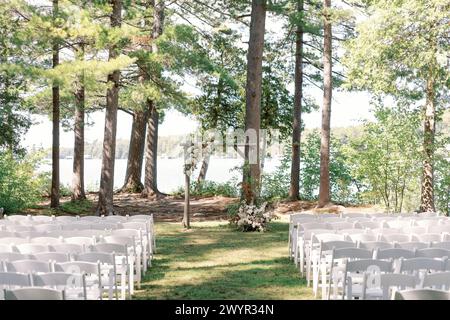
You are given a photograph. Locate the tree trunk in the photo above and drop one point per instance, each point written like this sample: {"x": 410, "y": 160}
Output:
{"x": 251, "y": 175}
{"x": 427, "y": 192}
{"x": 324, "y": 189}
{"x": 133, "y": 183}
{"x": 105, "y": 198}
{"x": 186, "y": 213}
{"x": 54, "y": 195}
{"x": 151, "y": 153}
{"x": 204, "y": 169}
{"x": 294, "y": 190}
{"x": 78, "y": 192}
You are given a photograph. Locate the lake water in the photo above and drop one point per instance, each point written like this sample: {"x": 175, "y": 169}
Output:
{"x": 170, "y": 171}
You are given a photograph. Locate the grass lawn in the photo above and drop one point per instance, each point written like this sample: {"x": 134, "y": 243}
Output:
{"x": 213, "y": 261}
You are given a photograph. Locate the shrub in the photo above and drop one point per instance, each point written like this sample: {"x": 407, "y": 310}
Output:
{"x": 253, "y": 217}
{"x": 20, "y": 186}
{"x": 211, "y": 189}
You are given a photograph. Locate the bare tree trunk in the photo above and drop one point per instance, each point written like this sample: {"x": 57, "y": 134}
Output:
{"x": 78, "y": 192}
{"x": 106, "y": 192}
{"x": 251, "y": 176}
{"x": 427, "y": 192}
{"x": 133, "y": 183}
{"x": 324, "y": 189}
{"x": 151, "y": 153}
{"x": 294, "y": 191}
{"x": 54, "y": 194}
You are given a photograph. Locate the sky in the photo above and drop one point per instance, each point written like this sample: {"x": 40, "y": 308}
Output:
{"x": 347, "y": 110}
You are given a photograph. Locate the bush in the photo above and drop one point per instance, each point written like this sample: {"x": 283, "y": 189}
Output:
{"x": 20, "y": 186}
{"x": 211, "y": 189}
{"x": 252, "y": 217}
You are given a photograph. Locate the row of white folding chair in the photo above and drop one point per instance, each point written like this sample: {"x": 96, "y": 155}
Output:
{"x": 319, "y": 259}
{"x": 388, "y": 284}
{"x": 125, "y": 246}
{"x": 73, "y": 284}
{"x": 352, "y": 279}
{"x": 33, "y": 293}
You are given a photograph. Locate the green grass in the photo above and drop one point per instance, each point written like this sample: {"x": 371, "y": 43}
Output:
{"x": 213, "y": 261}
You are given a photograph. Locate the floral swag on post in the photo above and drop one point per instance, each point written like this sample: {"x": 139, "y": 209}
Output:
{"x": 253, "y": 218}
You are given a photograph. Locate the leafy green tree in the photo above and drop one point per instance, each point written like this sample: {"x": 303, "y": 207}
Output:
{"x": 401, "y": 50}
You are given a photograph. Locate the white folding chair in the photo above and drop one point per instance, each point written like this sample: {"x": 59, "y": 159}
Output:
{"x": 34, "y": 294}
{"x": 73, "y": 284}
{"x": 356, "y": 273}
{"x": 93, "y": 277}
{"x": 412, "y": 245}
{"x": 442, "y": 245}
{"x": 419, "y": 266}
{"x": 396, "y": 237}
{"x": 11, "y": 280}
{"x": 373, "y": 245}
{"x": 47, "y": 227}
{"x": 7, "y": 234}
{"x": 66, "y": 219}
{"x": 46, "y": 240}
{"x": 389, "y": 284}
{"x": 12, "y": 241}
{"x": 27, "y": 266}
{"x": 83, "y": 241}
{"x": 124, "y": 264}
{"x": 436, "y": 280}
{"x": 428, "y": 237}
{"x": 437, "y": 253}
{"x": 422, "y": 294}
{"x": 108, "y": 269}
{"x": 57, "y": 257}
{"x": 31, "y": 248}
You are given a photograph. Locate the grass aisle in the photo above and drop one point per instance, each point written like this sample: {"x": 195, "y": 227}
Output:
{"x": 212, "y": 261}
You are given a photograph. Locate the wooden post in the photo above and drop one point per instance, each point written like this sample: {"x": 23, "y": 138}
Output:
{"x": 186, "y": 218}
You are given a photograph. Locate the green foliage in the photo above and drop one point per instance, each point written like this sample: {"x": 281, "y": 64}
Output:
{"x": 442, "y": 184}
{"x": 386, "y": 158}
{"x": 77, "y": 207}
{"x": 210, "y": 189}
{"x": 20, "y": 186}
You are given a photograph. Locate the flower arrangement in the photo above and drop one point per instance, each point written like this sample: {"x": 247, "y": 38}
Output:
{"x": 251, "y": 217}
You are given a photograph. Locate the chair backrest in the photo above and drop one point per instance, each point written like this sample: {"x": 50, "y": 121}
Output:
{"x": 426, "y": 223}
{"x": 102, "y": 257}
{"x": 373, "y": 245}
{"x": 110, "y": 248}
{"x": 442, "y": 245}
{"x": 126, "y": 233}
{"x": 13, "y": 256}
{"x": 327, "y": 237}
{"x": 385, "y": 231}
{"x": 304, "y": 226}
{"x": 398, "y": 237}
{"x": 31, "y": 248}
{"x": 422, "y": 294}
{"x": 330, "y": 245}
{"x": 363, "y": 237}
{"x": 411, "y": 245}
{"x": 362, "y": 265}
{"x": 439, "y": 228}
{"x": 342, "y": 225}
{"x": 353, "y": 215}
{"x": 13, "y": 240}
{"x": 27, "y": 266}
{"x": 428, "y": 237}
{"x": 433, "y": 253}
{"x": 116, "y": 218}
{"x": 105, "y": 226}
{"x": 19, "y": 228}
{"x": 18, "y": 217}
{"x": 370, "y": 224}
{"x": 352, "y": 253}
{"x": 66, "y": 218}
{"x": 46, "y": 240}
{"x": 70, "y": 248}
{"x": 415, "y": 230}
{"x": 47, "y": 227}
{"x": 418, "y": 264}
{"x": 437, "y": 280}
{"x": 394, "y": 253}
{"x": 91, "y": 268}
{"x": 397, "y": 281}
{"x": 124, "y": 241}
{"x": 399, "y": 223}
{"x": 42, "y": 218}
{"x": 14, "y": 279}
{"x": 51, "y": 256}
{"x": 7, "y": 248}
{"x": 84, "y": 241}
{"x": 59, "y": 279}
{"x": 34, "y": 294}
{"x": 30, "y": 234}
{"x": 6, "y": 234}
{"x": 91, "y": 219}
{"x": 352, "y": 231}
{"x": 77, "y": 226}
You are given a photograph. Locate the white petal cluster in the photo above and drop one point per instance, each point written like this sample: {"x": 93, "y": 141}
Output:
{"x": 253, "y": 218}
